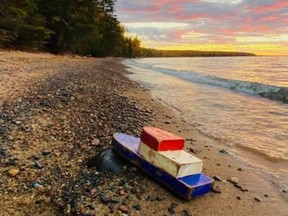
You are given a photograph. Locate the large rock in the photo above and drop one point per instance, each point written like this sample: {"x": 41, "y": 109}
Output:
{"x": 107, "y": 161}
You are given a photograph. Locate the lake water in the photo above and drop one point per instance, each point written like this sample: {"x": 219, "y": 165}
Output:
{"x": 220, "y": 97}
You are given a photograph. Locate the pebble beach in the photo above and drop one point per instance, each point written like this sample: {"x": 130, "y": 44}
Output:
{"x": 58, "y": 112}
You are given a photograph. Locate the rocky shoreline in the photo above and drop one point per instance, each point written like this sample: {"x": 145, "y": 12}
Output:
{"x": 48, "y": 134}
{"x": 54, "y": 126}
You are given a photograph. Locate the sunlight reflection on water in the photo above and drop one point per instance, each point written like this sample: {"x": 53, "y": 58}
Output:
{"x": 244, "y": 121}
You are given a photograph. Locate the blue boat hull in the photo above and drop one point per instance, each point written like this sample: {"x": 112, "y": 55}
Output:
{"x": 187, "y": 187}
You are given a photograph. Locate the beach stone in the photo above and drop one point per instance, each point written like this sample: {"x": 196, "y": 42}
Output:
{"x": 194, "y": 150}
{"x": 93, "y": 191}
{"x": 38, "y": 165}
{"x": 95, "y": 142}
{"x": 257, "y": 198}
{"x": 137, "y": 207}
{"x": 223, "y": 151}
{"x": 46, "y": 152}
{"x": 115, "y": 199}
{"x": 186, "y": 212}
{"x": 12, "y": 162}
{"x": 126, "y": 201}
{"x": 216, "y": 189}
{"x": 122, "y": 192}
{"x": 106, "y": 161}
{"x": 171, "y": 210}
{"x": 35, "y": 185}
{"x": 234, "y": 180}
{"x": 174, "y": 205}
{"x": 13, "y": 172}
{"x": 105, "y": 199}
{"x": 217, "y": 178}
{"x": 159, "y": 198}
{"x": 244, "y": 189}
{"x": 124, "y": 208}
{"x": 36, "y": 157}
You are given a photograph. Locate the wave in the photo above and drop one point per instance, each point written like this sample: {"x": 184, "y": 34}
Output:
{"x": 276, "y": 93}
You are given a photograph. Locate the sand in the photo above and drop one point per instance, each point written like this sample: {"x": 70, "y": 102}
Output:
{"x": 108, "y": 95}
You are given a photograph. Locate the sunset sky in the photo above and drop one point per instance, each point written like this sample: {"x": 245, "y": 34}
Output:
{"x": 258, "y": 26}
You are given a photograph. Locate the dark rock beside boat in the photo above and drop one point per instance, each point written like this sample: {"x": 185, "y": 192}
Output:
{"x": 106, "y": 161}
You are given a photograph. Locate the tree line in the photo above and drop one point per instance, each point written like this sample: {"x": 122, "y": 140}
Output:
{"x": 189, "y": 53}
{"x": 84, "y": 27}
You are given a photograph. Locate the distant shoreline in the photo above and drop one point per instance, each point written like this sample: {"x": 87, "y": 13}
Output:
{"x": 147, "y": 52}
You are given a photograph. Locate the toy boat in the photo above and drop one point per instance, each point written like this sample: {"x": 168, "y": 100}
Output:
{"x": 160, "y": 154}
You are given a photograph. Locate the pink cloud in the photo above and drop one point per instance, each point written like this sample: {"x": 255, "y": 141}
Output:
{"x": 272, "y": 7}
{"x": 270, "y": 18}
{"x": 175, "y": 9}
{"x": 179, "y": 33}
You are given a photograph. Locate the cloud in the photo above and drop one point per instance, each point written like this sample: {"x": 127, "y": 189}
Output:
{"x": 160, "y": 25}
{"x": 186, "y": 22}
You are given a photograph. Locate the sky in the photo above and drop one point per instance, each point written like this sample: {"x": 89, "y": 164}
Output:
{"x": 258, "y": 26}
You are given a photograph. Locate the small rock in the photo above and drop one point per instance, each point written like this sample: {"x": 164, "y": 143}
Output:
{"x": 234, "y": 180}
{"x": 104, "y": 199}
{"x": 244, "y": 189}
{"x": 12, "y": 162}
{"x": 285, "y": 191}
{"x": 124, "y": 208}
{"x": 95, "y": 142}
{"x": 93, "y": 191}
{"x": 194, "y": 150}
{"x": 26, "y": 128}
{"x": 258, "y": 199}
{"x": 46, "y": 152}
{"x": 159, "y": 198}
{"x": 217, "y": 178}
{"x": 125, "y": 201}
{"x": 223, "y": 151}
{"x": 171, "y": 210}
{"x": 216, "y": 189}
{"x": 13, "y": 172}
{"x": 174, "y": 205}
{"x": 137, "y": 207}
{"x": 122, "y": 192}
{"x": 238, "y": 197}
{"x": 38, "y": 165}
{"x": 238, "y": 186}
{"x": 240, "y": 169}
{"x": 35, "y": 185}
{"x": 115, "y": 199}
{"x": 36, "y": 157}
{"x": 266, "y": 195}
{"x": 186, "y": 212}
{"x": 111, "y": 207}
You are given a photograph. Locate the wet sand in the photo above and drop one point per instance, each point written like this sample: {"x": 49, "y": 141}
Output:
{"x": 66, "y": 105}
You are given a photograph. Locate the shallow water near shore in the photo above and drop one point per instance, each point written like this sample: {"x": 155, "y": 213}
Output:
{"x": 220, "y": 97}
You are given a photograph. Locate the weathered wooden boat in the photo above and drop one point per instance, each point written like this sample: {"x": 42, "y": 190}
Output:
{"x": 174, "y": 173}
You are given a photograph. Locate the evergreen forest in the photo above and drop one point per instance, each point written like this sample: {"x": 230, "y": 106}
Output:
{"x": 83, "y": 27}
